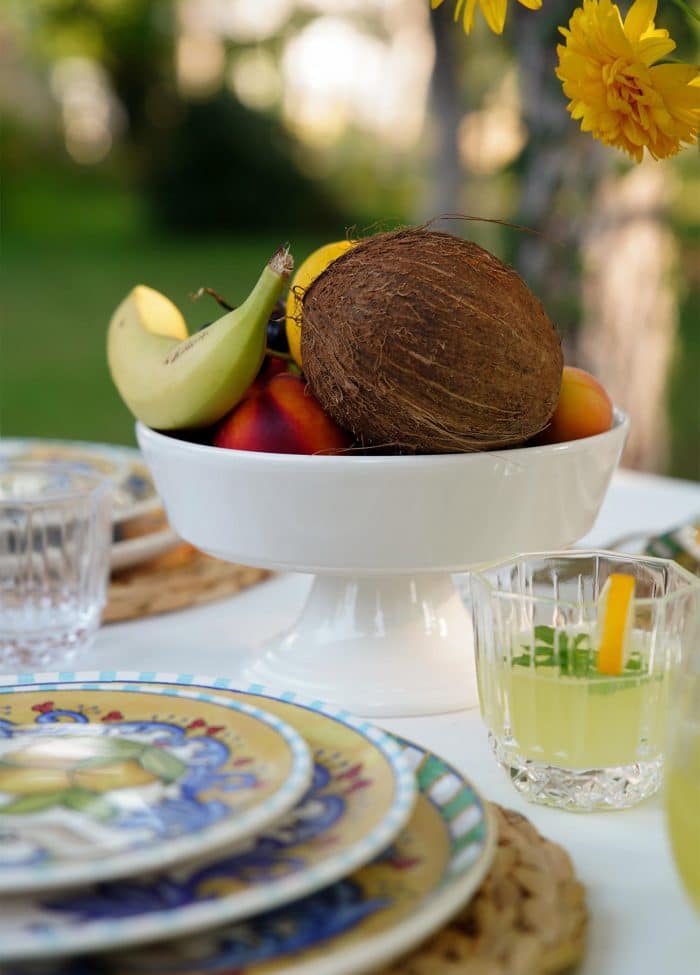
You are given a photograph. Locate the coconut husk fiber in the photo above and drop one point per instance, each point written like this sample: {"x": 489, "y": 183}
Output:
{"x": 421, "y": 341}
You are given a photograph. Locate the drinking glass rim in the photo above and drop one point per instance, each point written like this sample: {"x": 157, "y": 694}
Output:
{"x": 692, "y": 581}
{"x": 99, "y": 483}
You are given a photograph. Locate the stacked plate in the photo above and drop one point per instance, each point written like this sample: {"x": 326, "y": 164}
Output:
{"x": 153, "y": 823}
{"x": 140, "y": 528}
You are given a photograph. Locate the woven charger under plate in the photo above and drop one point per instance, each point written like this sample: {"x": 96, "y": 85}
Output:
{"x": 529, "y": 916}
{"x": 178, "y": 579}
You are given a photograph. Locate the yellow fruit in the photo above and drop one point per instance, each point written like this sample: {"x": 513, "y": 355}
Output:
{"x": 32, "y": 781}
{"x": 616, "y": 612}
{"x": 116, "y": 775}
{"x": 308, "y": 271}
{"x": 171, "y": 382}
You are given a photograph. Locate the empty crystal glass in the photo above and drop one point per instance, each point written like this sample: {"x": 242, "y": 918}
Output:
{"x": 573, "y": 681}
{"x": 55, "y": 536}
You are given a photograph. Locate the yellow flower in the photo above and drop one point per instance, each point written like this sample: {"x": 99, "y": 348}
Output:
{"x": 618, "y": 91}
{"x": 494, "y": 11}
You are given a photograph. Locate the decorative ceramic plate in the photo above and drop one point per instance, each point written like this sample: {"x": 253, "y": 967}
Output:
{"x": 130, "y": 551}
{"x": 362, "y": 794}
{"x": 106, "y": 779}
{"x": 135, "y": 492}
{"x": 360, "y": 923}
{"x": 125, "y": 555}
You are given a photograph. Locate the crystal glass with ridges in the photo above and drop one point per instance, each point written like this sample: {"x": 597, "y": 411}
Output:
{"x": 55, "y": 536}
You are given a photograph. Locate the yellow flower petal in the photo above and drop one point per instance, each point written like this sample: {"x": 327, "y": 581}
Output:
{"x": 677, "y": 75}
{"x": 494, "y": 11}
{"x": 655, "y": 48}
{"x": 640, "y": 15}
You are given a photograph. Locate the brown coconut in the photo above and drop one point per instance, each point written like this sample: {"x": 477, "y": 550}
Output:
{"x": 420, "y": 341}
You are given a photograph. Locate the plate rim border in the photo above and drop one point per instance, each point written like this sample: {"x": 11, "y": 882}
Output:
{"x": 130, "y": 455}
{"x": 127, "y": 546}
{"x": 412, "y": 930}
{"x": 398, "y": 941}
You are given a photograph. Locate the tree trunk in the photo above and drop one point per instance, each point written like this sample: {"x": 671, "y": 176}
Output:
{"x": 618, "y": 316}
{"x": 443, "y": 193}
{"x": 630, "y": 313}
{"x": 558, "y": 171}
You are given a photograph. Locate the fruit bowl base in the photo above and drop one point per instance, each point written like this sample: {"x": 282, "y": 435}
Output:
{"x": 380, "y": 646}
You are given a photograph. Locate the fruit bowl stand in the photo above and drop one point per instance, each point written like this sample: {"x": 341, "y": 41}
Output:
{"x": 386, "y": 629}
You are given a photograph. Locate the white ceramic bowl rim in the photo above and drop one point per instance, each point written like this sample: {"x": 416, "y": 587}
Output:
{"x": 620, "y": 420}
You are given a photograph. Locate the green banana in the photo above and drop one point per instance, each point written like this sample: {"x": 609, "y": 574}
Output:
{"x": 171, "y": 381}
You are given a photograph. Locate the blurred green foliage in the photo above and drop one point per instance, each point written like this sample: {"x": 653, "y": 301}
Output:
{"x": 222, "y": 166}
{"x": 684, "y": 380}
{"x": 61, "y": 287}
{"x": 200, "y": 191}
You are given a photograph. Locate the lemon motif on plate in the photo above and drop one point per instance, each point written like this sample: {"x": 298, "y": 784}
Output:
{"x": 79, "y": 772}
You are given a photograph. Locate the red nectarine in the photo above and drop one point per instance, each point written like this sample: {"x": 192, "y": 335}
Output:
{"x": 280, "y": 416}
{"x": 272, "y": 366}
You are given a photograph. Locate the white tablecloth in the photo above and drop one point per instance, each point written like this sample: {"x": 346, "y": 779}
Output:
{"x": 640, "y": 921}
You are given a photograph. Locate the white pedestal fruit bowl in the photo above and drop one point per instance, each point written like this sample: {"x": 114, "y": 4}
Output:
{"x": 385, "y": 630}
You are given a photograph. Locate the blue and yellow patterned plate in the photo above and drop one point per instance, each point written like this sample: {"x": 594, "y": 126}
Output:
{"x": 359, "y": 924}
{"x": 362, "y": 794}
{"x": 134, "y": 491}
{"x": 102, "y": 779}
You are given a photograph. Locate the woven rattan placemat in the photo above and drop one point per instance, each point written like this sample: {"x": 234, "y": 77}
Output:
{"x": 528, "y": 918}
{"x": 178, "y": 579}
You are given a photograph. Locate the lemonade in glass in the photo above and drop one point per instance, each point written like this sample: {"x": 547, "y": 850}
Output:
{"x": 682, "y": 788}
{"x": 574, "y": 651}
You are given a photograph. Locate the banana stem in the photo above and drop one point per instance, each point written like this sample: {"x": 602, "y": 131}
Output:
{"x": 282, "y": 262}
{"x": 196, "y": 295}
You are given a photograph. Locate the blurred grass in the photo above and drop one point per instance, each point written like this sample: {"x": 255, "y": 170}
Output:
{"x": 70, "y": 254}
{"x": 61, "y": 286}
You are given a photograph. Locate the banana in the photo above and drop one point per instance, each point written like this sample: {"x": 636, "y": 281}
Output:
{"x": 171, "y": 381}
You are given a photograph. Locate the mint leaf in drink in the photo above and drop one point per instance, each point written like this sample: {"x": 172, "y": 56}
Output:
{"x": 545, "y": 634}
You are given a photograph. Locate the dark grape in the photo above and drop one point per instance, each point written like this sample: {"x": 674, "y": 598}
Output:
{"x": 277, "y": 329}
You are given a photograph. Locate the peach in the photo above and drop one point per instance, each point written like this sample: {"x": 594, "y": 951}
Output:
{"x": 280, "y": 416}
{"x": 584, "y": 408}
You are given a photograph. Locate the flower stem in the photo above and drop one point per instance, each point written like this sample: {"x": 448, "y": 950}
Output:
{"x": 687, "y": 9}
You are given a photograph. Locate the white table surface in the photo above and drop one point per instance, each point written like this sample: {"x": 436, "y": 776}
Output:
{"x": 640, "y": 921}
